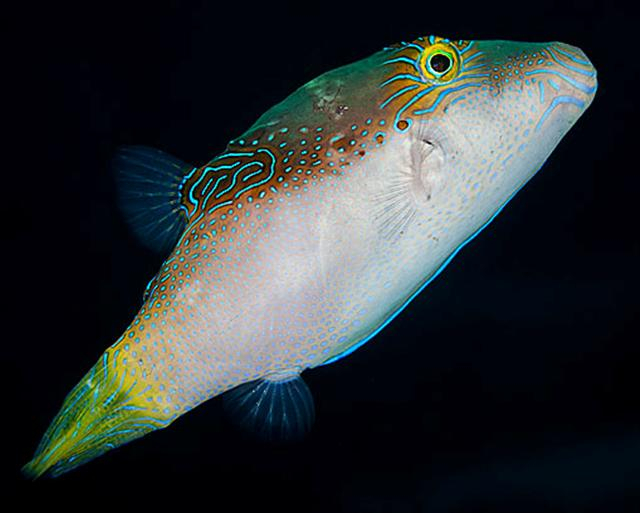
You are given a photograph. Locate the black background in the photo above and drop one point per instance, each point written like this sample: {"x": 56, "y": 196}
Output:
{"x": 510, "y": 384}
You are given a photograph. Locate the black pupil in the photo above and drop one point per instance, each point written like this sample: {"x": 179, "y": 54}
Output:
{"x": 440, "y": 63}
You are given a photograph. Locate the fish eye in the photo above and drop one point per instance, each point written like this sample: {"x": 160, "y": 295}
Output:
{"x": 440, "y": 63}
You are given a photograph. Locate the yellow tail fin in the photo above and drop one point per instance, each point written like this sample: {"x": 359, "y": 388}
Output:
{"x": 105, "y": 410}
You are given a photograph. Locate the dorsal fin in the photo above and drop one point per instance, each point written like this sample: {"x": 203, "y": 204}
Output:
{"x": 149, "y": 189}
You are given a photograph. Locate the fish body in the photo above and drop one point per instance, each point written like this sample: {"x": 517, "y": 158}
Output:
{"x": 312, "y": 230}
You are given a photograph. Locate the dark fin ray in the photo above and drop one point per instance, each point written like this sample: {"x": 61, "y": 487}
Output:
{"x": 274, "y": 410}
{"x": 149, "y": 182}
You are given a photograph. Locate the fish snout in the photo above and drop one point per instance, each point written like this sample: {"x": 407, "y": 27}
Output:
{"x": 567, "y": 82}
{"x": 575, "y": 75}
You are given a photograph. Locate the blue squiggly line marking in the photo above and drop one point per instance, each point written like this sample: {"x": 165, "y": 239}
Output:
{"x": 442, "y": 95}
{"x": 397, "y": 94}
{"x": 467, "y": 48}
{"x": 568, "y": 66}
{"x": 251, "y": 175}
{"x": 265, "y": 180}
{"x": 578, "y": 85}
{"x": 405, "y": 60}
{"x": 402, "y": 76}
{"x": 572, "y": 57}
{"x": 558, "y": 101}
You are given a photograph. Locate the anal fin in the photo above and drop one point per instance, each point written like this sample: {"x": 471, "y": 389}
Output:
{"x": 277, "y": 408}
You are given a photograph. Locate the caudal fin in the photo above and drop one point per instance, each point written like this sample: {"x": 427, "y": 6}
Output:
{"x": 105, "y": 410}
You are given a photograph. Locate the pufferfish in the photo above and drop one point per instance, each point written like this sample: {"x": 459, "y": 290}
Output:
{"x": 313, "y": 230}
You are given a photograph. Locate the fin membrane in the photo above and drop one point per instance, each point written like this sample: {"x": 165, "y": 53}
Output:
{"x": 272, "y": 410}
{"x": 149, "y": 183}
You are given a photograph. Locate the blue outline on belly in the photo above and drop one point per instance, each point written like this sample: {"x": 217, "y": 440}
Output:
{"x": 429, "y": 280}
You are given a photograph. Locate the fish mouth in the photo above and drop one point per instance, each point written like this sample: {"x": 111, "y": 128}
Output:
{"x": 567, "y": 83}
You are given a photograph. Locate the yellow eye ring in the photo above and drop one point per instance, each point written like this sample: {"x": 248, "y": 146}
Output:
{"x": 440, "y": 63}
